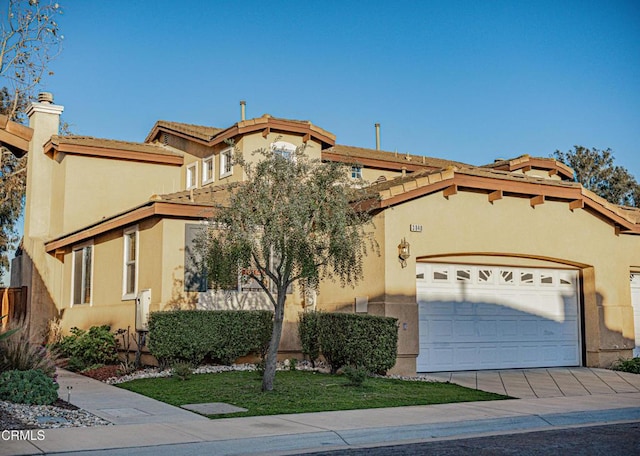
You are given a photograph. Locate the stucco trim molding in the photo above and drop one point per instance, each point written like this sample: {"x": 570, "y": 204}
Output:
{"x": 537, "y": 190}
{"x": 62, "y": 244}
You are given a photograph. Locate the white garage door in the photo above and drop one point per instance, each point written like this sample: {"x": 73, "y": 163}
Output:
{"x": 635, "y": 301}
{"x": 493, "y": 317}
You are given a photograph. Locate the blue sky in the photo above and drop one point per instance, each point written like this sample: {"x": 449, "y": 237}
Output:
{"x": 470, "y": 81}
{"x": 465, "y": 80}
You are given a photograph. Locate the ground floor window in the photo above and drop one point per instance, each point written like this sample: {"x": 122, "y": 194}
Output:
{"x": 130, "y": 282}
{"x": 82, "y": 266}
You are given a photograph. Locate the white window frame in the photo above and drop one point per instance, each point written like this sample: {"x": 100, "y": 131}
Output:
{"x": 284, "y": 149}
{"x": 191, "y": 178}
{"x": 207, "y": 177}
{"x": 356, "y": 172}
{"x": 226, "y": 161}
{"x": 126, "y": 261}
{"x": 85, "y": 273}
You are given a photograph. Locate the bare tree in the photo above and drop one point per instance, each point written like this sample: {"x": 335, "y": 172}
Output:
{"x": 29, "y": 40}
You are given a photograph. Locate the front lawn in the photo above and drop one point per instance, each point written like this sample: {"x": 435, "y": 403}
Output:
{"x": 300, "y": 391}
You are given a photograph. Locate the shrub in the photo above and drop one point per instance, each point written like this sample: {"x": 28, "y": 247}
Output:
{"x": 366, "y": 341}
{"x": 308, "y": 333}
{"x": 31, "y": 387}
{"x": 19, "y": 352}
{"x": 181, "y": 371}
{"x": 97, "y": 346}
{"x": 223, "y": 336}
{"x": 356, "y": 375}
{"x": 628, "y": 365}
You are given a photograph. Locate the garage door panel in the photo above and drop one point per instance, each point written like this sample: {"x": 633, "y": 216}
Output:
{"x": 500, "y": 322}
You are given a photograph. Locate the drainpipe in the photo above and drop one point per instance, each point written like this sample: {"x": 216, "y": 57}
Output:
{"x": 377, "y": 136}
{"x": 243, "y": 104}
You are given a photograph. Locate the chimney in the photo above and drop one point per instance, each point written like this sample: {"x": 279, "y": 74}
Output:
{"x": 377, "y": 136}
{"x": 243, "y": 105}
{"x": 44, "y": 118}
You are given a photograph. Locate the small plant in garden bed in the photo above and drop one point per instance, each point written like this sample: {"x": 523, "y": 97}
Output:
{"x": 628, "y": 365}
{"x": 181, "y": 371}
{"x": 356, "y": 375}
{"x": 88, "y": 348}
{"x": 32, "y": 387}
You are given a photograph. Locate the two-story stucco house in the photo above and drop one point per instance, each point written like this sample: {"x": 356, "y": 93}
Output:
{"x": 506, "y": 265}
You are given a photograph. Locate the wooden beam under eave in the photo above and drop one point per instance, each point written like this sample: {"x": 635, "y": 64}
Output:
{"x": 576, "y": 204}
{"x": 266, "y": 132}
{"x": 494, "y": 196}
{"x": 552, "y": 172}
{"x": 306, "y": 138}
{"x": 450, "y": 190}
{"x": 536, "y": 200}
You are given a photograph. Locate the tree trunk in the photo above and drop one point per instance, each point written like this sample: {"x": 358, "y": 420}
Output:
{"x": 272, "y": 354}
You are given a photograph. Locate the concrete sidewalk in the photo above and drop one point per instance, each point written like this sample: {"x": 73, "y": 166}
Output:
{"x": 158, "y": 429}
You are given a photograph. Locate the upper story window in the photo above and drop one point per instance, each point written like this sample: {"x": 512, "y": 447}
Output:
{"x": 192, "y": 175}
{"x": 82, "y": 274}
{"x": 207, "y": 170}
{"x": 356, "y": 172}
{"x": 130, "y": 264}
{"x": 226, "y": 162}
{"x": 284, "y": 149}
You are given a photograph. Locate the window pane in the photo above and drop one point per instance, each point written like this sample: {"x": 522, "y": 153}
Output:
{"x": 131, "y": 251}
{"x": 131, "y": 278}
{"x": 87, "y": 275}
{"x": 77, "y": 276}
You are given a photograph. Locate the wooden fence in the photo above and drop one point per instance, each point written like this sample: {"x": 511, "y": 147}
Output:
{"x": 13, "y": 304}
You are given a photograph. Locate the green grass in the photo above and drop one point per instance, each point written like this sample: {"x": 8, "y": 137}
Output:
{"x": 299, "y": 392}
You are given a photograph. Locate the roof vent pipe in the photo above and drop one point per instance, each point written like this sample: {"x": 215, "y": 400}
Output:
{"x": 45, "y": 97}
{"x": 377, "y": 136}
{"x": 243, "y": 104}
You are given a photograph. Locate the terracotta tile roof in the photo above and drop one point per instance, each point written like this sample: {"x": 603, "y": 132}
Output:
{"x": 197, "y": 131}
{"x": 396, "y": 157}
{"x": 89, "y": 141}
{"x": 210, "y": 195}
{"x": 522, "y": 161}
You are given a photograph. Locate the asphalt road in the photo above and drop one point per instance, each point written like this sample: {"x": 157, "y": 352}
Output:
{"x": 607, "y": 440}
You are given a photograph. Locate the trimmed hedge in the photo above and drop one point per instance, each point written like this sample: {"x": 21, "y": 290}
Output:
{"x": 223, "y": 335}
{"x": 365, "y": 341}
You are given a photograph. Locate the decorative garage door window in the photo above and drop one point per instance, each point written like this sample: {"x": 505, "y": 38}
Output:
{"x": 494, "y": 317}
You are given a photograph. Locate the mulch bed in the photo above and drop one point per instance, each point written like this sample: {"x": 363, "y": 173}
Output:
{"x": 102, "y": 373}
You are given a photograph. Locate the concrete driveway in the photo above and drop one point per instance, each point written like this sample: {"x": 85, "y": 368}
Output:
{"x": 544, "y": 382}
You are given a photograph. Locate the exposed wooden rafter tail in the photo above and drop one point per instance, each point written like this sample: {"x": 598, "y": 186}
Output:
{"x": 536, "y": 200}
{"x": 450, "y": 190}
{"x": 494, "y": 196}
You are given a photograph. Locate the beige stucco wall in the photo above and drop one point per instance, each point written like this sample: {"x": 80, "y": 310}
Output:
{"x": 86, "y": 189}
{"x": 468, "y": 224}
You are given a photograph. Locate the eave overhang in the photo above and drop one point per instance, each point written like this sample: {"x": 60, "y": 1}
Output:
{"x": 52, "y": 149}
{"x": 375, "y": 163}
{"x": 451, "y": 181}
{"x": 264, "y": 124}
{"x": 63, "y": 244}
{"x": 526, "y": 163}
{"x": 14, "y": 136}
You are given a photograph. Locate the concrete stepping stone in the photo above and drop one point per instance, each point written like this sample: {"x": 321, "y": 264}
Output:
{"x": 213, "y": 408}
